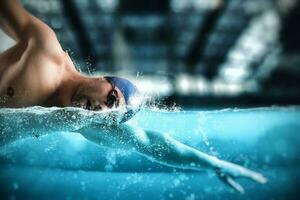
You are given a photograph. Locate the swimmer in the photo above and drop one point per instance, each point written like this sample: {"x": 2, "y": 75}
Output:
{"x": 36, "y": 71}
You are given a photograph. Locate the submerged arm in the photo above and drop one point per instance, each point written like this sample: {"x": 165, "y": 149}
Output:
{"x": 37, "y": 121}
{"x": 15, "y": 124}
{"x": 167, "y": 150}
{"x": 158, "y": 146}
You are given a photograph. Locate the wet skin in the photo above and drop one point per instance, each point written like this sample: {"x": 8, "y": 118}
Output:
{"x": 37, "y": 71}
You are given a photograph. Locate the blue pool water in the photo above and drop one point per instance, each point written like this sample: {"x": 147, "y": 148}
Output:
{"x": 64, "y": 165}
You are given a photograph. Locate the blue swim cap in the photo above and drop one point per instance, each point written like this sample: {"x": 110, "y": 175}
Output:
{"x": 131, "y": 94}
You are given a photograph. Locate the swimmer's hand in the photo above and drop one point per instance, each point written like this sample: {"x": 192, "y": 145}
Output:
{"x": 227, "y": 172}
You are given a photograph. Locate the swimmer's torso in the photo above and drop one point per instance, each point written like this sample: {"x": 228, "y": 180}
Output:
{"x": 31, "y": 71}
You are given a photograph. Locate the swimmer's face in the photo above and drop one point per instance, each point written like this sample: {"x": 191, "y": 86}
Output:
{"x": 97, "y": 94}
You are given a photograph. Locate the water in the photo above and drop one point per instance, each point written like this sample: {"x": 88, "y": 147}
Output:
{"x": 64, "y": 165}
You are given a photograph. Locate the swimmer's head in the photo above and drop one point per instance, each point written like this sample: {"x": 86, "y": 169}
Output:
{"x": 130, "y": 93}
{"x": 102, "y": 93}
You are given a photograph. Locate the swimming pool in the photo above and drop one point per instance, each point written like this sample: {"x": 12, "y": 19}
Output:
{"x": 64, "y": 165}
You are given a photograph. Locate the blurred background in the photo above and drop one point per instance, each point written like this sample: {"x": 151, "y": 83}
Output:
{"x": 195, "y": 53}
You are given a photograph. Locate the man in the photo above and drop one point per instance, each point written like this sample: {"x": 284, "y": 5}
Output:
{"x": 36, "y": 71}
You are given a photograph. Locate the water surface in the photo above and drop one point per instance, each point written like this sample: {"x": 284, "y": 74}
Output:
{"x": 65, "y": 165}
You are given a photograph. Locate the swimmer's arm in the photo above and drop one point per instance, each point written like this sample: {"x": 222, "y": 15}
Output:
{"x": 17, "y": 124}
{"x": 13, "y": 18}
{"x": 21, "y": 26}
{"x": 167, "y": 150}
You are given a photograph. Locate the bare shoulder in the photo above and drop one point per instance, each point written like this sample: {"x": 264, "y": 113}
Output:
{"x": 44, "y": 39}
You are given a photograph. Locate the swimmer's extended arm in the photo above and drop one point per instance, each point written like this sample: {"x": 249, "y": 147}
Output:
{"x": 158, "y": 146}
{"x": 37, "y": 121}
{"x": 165, "y": 149}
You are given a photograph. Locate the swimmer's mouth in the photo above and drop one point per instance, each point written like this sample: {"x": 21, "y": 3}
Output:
{"x": 80, "y": 101}
{"x": 83, "y": 103}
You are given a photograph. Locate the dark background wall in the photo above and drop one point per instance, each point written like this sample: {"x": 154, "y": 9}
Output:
{"x": 208, "y": 53}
